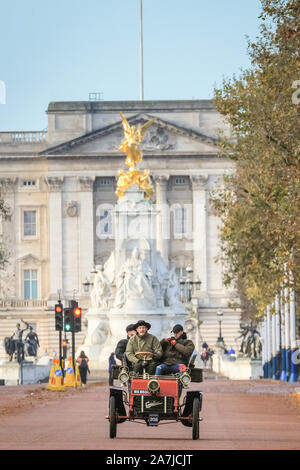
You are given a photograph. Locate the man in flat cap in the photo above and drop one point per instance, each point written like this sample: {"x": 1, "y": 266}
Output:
{"x": 143, "y": 342}
{"x": 177, "y": 351}
{"x": 121, "y": 346}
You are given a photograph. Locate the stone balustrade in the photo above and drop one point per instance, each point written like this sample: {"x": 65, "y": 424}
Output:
{"x": 16, "y": 138}
{"x": 22, "y": 303}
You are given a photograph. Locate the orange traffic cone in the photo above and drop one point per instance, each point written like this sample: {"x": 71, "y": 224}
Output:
{"x": 56, "y": 378}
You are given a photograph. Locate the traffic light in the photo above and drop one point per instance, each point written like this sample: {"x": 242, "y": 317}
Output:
{"x": 59, "y": 318}
{"x": 77, "y": 319}
{"x": 64, "y": 347}
{"x": 68, "y": 319}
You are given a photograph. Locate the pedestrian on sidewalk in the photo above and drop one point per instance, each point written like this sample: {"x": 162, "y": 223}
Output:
{"x": 206, "y": 353}
{"x": 83, "y": 367}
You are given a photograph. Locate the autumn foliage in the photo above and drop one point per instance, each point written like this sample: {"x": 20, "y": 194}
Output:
{"x": 259, "y": 205}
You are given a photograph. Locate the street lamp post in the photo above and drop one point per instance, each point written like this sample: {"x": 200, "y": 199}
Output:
{"x": 86, "y": 285}
{"x": 89, "y": 281}
{"x": 220, "y": 340}
{"x": 220, "y": 314}
{"x": 188, "y": 285}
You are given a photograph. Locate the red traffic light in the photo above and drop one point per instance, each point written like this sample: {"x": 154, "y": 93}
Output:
{"x": 59, "y": 320}
{"x": 77, "y": 312}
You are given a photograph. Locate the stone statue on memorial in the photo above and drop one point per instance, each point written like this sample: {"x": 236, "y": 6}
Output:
{"x": 251, "y": 345}
{"x": 143, "y": 281}
{"x": 101, "y": 290}
{"x": 162, "y": 274}
{"x": 120, "y": 289}
{"x": 134, "y": 281}
{"x": 31, "y": 343}
{"x": 173, "y": 289}
{"x": 16, "y": 345}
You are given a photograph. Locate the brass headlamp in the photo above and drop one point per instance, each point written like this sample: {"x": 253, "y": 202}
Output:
{"x": 185, "y": 379}
{"x": 153, "y": 386}
{"x": 123, "y": 376}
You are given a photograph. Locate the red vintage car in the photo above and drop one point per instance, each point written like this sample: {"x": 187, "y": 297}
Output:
{"x": 152, "y": 399}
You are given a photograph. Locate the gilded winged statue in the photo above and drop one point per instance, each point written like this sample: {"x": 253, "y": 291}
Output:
{"x": 134, "y": 177}
{"x": 133, "y": 135}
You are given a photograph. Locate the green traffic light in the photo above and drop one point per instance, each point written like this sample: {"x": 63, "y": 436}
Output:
{"x": 67, "y": 327}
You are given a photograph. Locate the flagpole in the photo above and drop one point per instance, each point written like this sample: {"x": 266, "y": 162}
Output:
{"x": 141, "y": 53}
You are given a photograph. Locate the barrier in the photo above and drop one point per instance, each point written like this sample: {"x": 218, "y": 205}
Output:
{"x": 56, "y": 378}
{"x": 72, "y": 378}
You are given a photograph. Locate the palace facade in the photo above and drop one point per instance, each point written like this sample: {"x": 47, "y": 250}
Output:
{"x": 59, "y": 186}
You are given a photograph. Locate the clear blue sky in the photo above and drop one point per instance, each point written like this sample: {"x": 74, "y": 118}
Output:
{"x": 60, "y": 50}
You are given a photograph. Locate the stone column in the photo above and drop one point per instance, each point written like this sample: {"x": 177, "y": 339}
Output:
{"x": 264, "y": 340}
{"x": 269, "y": 342}
{"x": 200, "y": 230}
{"x": 55, "y": 235}
{"x": 275, "y": 339}
{"x": 283, "y": 373}
{"x": 287, "y": 329}
{"x": 163, "y": 219}
{"x": 277, "y": 323}
{"x": 86, "y": 241}
{"x": 293, "y": 373}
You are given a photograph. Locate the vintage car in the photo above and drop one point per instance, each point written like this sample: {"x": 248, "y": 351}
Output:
{"x": 152, "y": 399}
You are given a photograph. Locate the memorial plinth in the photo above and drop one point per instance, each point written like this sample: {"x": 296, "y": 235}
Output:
{"x": 237, "y": 368}
{"x": 29, "y": 372}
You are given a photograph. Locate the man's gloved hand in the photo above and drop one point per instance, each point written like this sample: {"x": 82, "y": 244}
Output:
{"x": 173, "y": 341}
{"x": 167, "y": 340}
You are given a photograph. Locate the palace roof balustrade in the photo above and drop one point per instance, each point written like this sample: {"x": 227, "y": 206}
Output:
{"x": 7, "y": 304}
{"x": 24, "y": 141}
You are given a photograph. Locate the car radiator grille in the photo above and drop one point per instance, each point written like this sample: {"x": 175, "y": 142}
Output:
{"x": 154, "y": 404}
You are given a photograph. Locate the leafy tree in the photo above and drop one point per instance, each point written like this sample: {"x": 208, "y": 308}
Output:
{"x": 260, "y": 204}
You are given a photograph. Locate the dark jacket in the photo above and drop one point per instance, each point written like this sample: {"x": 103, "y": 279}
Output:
{"x": 178, "y": 354}
{"x": 121, "y": 348}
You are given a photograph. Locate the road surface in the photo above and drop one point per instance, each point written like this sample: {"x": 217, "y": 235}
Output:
{"x": 237, "y": 415}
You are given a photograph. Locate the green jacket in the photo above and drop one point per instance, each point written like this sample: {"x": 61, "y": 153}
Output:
{"x": 178, "y": 354}
{"x": 147, "y": 342}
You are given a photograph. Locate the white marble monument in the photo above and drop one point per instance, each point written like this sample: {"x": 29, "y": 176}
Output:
{"x": 134, "y": 284}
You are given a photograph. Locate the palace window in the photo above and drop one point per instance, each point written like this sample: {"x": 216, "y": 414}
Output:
{"x": 179, "y": 180}
{"x": 106, "y": 181}
{"x": 30, "y": 284}
{"x": 29, "y": 183}
{"x": 29, "y": 223}
{"x": 180, "y": 221}
{"x": 105, "y": 223}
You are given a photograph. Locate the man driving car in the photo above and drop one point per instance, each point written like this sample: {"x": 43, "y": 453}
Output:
{"x": 143, "y": 342}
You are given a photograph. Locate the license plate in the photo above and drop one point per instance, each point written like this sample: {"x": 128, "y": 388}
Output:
{"x": 153, "y": 420}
